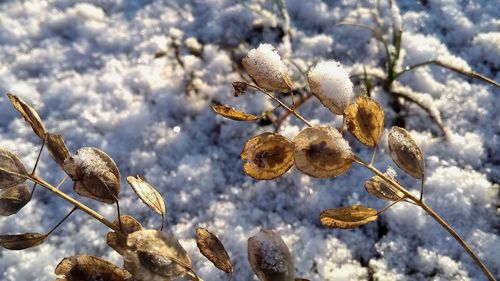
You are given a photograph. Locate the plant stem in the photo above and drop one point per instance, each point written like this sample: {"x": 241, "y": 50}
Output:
{"x": 34, "y": 167}
{"x": 432, "y": 213}
{"x": 59, "y": 223}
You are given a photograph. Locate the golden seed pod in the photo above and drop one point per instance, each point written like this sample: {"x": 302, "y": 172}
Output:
{"x": 57, "y": 148}
{"x": 118, "y": 242}
{"x": 12, "y": 171}
{"x": 365, "y": 120}
{"x": 85, "y": 267}
{"x": 212, "y": 248}
{"x": 29, "y": 114}
{"x": 348, "y": 217}
{"x": 13, "y": 199}
{"x": 405, "y": 152}
{"x": 322, "y": 152}
{"x": 267, "y": 156}
{"x": 380, "y": 188}
{"x": 149, "y": 195}
{"x": 270, "y": 257}
{"x": 22, "y": 241}
{"x": 232, "y": 113}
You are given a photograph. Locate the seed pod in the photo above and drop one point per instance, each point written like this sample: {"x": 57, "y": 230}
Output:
{"x": 211, "y": 247}
{"x": 348, "y": 217}
{"x": 265, "y": 66}
{"x": 118, "y": 242}
{"x": 232, "y": 113}
{"x": 22, "y": 241}
{"x": 405, "y": 152}
{"x": 149, "y": 195}
{"x": 29, "y": 114}
{"x": 95, "y": 174}
{"x": 13, "y": 199}
{"x": 322, "y": 152}
{"x": 57, "y": 148}
{"x": 85, "y": 267}
{"x": 365, "y": 120}
{"x": 267, "y": 156}
{"x": 155, "y": 256}
{"x": 269, "y": 257}
{"x": 12, "y": 171}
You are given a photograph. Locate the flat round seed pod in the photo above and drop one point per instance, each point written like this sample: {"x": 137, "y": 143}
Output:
{"x": 22, "y": 241}
{"x": 148, "y": 194}
{"x": 29, "y": 114}
{"x": 118, "y": 242}
{"x": 85, "y": 268}
{"x": 322, "y": 152}
{"x": 11, "y": 169}
{"x": 232, "y": 113}
{"x": 348, "y": 217}
{"x": 57, "y": 148}
{"x": 378, "y": 187}
{"x": 365, "y": 120}
{"x": 211, "y": 247}
{"x": 267, "y": 156}
{"x": 270, "y": 257}
{"x": 13, "y": 199}
{"x": 405, "y": 152}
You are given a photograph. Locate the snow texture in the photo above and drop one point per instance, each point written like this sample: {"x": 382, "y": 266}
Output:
{"x": 89, "y": 68}
{"x": 264, "y": 64}
{"x": 90, "y": 162}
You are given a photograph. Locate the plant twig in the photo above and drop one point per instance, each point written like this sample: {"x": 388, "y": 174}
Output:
{"x": 59, "y": 223}
{"x": 34, "y": 168}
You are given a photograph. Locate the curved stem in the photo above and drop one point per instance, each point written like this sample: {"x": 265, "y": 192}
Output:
{"x": 432, "y": 213}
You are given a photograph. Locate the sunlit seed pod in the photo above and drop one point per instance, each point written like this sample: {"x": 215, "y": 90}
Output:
{"x": 213, "y": 249}
{"x": 348, "y": 217}
{"x": 232, "y": 113}
{"x": 380, "y": 188}
{"x": 85, "y": 268}
{"x": 155, "y": 256}
{"x": 22, "y": 241}
{"x": 148, "y": 194}
{"x": 267, "y": 156}
{"x": 13, "y": 199}
{"x": 29, "y": 114}
{"x": 365, "y": 120}
{"x": 265, "y": 66}
{"x": 57, "y": 148}
{"x": 117, "y": 241}
{"x": 95, "y": 174}
{"x": 270, "y": 257}
{"x": 322, "y": 152}
{"x": 12, "y": 171}
{"x": 405, "y": 152}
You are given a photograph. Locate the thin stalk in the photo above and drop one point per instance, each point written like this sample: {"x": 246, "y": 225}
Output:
{"x": 61, "y": 182}
{"x": 34, "y": 167}
{"x": 59, "y": 223}
{"x": 390, "y": 205}
{"x": 191, "y": 275}
{"x": 432, "y": 213}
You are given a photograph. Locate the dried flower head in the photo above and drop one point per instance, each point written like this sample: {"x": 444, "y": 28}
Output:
{"x": 265, "y": 66}
{"x": 330, "y": 83}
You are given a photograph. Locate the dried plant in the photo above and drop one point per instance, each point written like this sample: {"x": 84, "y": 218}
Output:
{"x": 322, "y": 152}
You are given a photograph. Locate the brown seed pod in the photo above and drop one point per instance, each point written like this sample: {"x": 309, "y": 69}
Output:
{"x": 118, "y": 242}
{"x": 380, "y": 188}
{"x": 239, "y": 88}
{"x": 322, "y": 152}
{"x": 85, "y": 268}
{"x": 232, "y": 113}
{"x": 57, "y": 148}
{"x": 365, "y": 120}
{"x": 269, "y": 257}
{"x": 95, "y": 174}
{"x": 148, "y": 194}
{"x": 211, "y": 247}
{"x": 405, "y": 152}
{"x": 22, "y": 241}
{"x": 267, "y": 156}
{"x": 29, "y": 114}
{"x": 13, "y": 199}
{"x": 348, "y": 217}
{"x": 155, "y": 256}
{"x": 12, "y": 171}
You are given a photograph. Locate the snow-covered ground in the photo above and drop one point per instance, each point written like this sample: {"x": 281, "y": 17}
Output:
{"x": 90, "y": 70}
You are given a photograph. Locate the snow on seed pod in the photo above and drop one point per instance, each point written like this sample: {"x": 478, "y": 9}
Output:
{"x": 380, "y": 188}
{"x": 330, "y": 83}
{"x": 267, "y": 156}
{"x": 154, "y": 255}
{"x": 86, "y": 267}
{"x": 405, "y": 152}
{"x": 265, "y": 66}
{"x": 322, "y": 152}
{"x": 270, "y": 257}
{"x": 117, "y": 241}
{"x": 13, "y": 199}
{"x": 12, "y": 171}
{"x": 95, "y": 174}
{"x": 365, "y": 120}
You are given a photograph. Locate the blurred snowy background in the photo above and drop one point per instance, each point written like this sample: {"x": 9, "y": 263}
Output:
{"x": 90, "y": 70}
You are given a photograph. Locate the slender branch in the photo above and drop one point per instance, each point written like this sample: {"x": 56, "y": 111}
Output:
{"x": 59, "y": 223}
{"x": 390, "y": 205}
{"x": 34, "y": 168}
